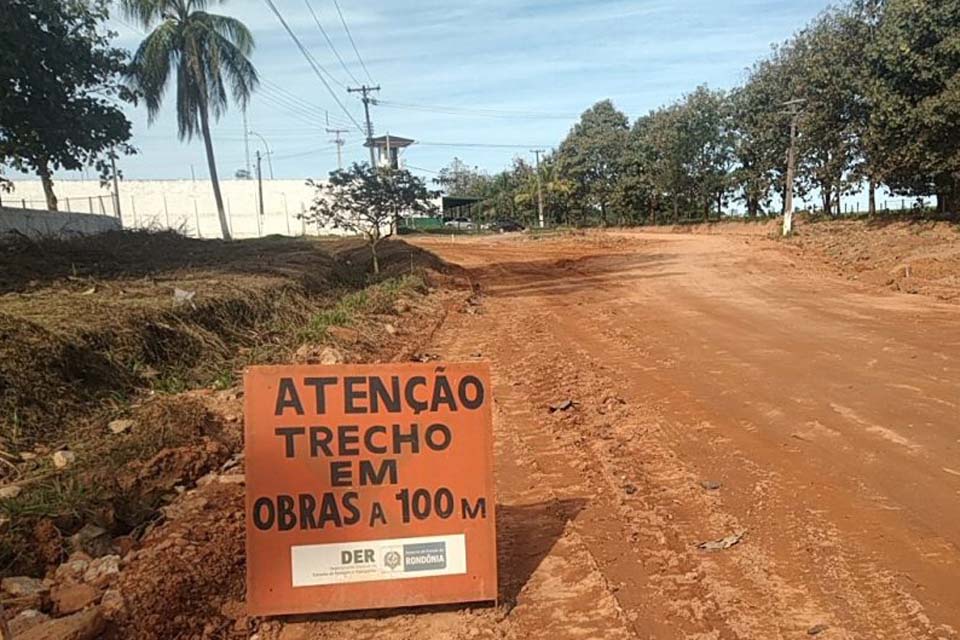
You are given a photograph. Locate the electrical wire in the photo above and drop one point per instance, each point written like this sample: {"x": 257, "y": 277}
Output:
{"x": 313, "y": 63}
{"x": 482, "y": 145}
{"x": 314, "y": 120}
{"x": 352, "y": 43}
{"x": 330, "y": 42}
{"x": 410, "y": 166}
{"x": 299, "y": 104}
{"x": 328, "y": 150}
{"x": 486, "y": 113}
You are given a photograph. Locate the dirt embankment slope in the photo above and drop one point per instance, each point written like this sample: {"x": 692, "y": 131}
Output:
{"x": 910, "y": 256}
{"x": 916, "y": 257}
{"x": 104, "y": 342}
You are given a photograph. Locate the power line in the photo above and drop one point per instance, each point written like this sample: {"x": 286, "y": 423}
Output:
{"x": 410, "y": 166}
{"x": 326, "y": 151}
{"x": 315, "y": 120}
{"x": 330, "y": 42}
{"x": 297, "y": 116}
{"x": 313, "y": 63}
{"x": 352, "y": 43}
{"x": 298, "y": 104}
{"x": 486, "y": 113}
{"x": 485, "y": 145}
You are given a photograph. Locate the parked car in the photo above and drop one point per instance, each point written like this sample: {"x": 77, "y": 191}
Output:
{"x": 459, "y": 223}
{"x": 506, "y": 225}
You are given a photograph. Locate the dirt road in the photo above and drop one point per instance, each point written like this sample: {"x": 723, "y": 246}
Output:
{"x": 721, "y": 389}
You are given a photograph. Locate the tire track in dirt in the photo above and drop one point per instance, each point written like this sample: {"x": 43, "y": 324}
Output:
{"x": 824, "y": 544}
{"x": 863, "y": 599}
{"x": 655, "y": 576}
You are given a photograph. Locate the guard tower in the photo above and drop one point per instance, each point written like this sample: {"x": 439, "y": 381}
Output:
{"x": 388, "y": 149}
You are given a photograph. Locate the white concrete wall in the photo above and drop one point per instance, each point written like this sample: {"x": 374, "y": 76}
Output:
{"x": 40, "y": 224}
{"x": 184, "y": 204}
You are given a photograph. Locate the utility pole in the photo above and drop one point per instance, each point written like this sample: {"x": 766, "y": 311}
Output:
{"x": 260, "y": 182}
{"x": 339, "y": 141}
{"x": 269, "y": 152}
{"x": 537, "y": 152}
{"x": 116, "y": 184}
{"x": 365, "y": 91}
{"x": 794, "y": 109}
{"x": 246, "y": 142}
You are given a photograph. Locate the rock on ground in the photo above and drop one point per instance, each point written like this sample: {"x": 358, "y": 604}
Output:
{"x": 86, "y": 625}
{"x": 21, "y": 586}
{"x": 70, "y": 598}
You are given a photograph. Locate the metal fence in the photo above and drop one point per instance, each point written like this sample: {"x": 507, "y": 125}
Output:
{"x": 98, "y": 204}
{"x": 194, "y": 220}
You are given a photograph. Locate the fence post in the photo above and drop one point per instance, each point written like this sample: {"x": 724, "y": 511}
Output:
{"x": 67, "y": 200}
{"x": 103, "y": 209}
{"x": 133, "y": 207}
{"x": 257, "y": 216}
{"x": 166, "y": 212}
{"x": 196, "y": 213}
{"x": 90, "y": 204}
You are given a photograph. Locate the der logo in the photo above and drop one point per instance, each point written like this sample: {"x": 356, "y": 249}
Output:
{"x": 391, "y": 560}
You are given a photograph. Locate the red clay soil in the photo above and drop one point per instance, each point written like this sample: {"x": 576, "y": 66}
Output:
{"x": 727, "y": 386}
{"x": 823, "y": 412}
{"x": 918, "y": 257}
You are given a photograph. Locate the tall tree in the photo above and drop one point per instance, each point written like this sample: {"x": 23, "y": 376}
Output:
{"x": 60, "y": 84}
{"x": 637, "y": 189}
{"x": 706, "y": 136}
{"x": 916, "y": 103}
{"x": 458, "y": 179}
{"x": 209, "y": 52}
{"x": 860, "y": 23}
{"x": 761, "y": 137}
{"x": 826, "y": 68}
{"x": 592, "y": 156}
{"x": 365, "y": 201}
{"x": 669, "y": 179}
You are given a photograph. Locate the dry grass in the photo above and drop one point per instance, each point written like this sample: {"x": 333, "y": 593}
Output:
{"x": 93, "y": 321}
{"x": 88, "y": 327}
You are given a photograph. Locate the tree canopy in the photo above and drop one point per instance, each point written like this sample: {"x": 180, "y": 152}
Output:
{"x": 871, "y": 84}
{"x": 367, "y": 201}
{"x": 60, "y": 88}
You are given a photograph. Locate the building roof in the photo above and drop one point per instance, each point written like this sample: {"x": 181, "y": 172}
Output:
{"x": 395, "y": 142}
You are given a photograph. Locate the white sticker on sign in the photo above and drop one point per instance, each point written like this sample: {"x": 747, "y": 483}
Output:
{"x": 374, "y": 560}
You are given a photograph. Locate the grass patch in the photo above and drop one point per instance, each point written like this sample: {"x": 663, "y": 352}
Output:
{"x": 114, "y": 482}
{"x": 377, "y": 299}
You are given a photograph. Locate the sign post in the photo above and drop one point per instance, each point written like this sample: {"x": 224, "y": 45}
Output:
{"x": 368, "y": 486}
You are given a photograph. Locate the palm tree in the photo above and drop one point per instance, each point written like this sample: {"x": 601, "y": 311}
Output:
{"x": 209, "y": 52}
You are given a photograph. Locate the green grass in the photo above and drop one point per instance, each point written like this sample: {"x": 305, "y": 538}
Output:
{"x": 350, "y": 308}
{"x": 170, "y": 383}
{"x": 224, "y": 380}
{"x": 54, "y": 497}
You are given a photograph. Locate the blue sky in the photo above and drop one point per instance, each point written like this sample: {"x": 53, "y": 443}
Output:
{"x": 514, "y": 57}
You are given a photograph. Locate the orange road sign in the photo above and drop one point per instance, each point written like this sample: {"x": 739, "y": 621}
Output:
{"x": 368, "y": 486}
